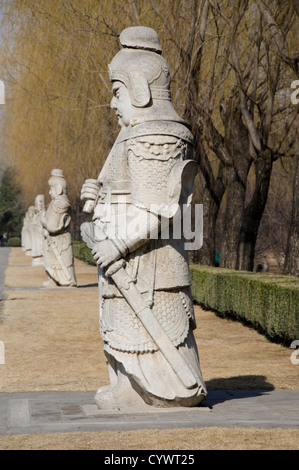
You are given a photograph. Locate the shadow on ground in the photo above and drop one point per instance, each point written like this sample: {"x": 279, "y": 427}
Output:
{"x": 240, "y": 382}
{"x": 84, "y": 286}
{"x": 238, "y": 387}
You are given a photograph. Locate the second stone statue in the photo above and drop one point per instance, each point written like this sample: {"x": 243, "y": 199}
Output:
{"x": 58, "y": 249}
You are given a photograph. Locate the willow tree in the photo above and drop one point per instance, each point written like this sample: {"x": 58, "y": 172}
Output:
{"x": 54, "y": 62}
{"x": 230, "y": 80}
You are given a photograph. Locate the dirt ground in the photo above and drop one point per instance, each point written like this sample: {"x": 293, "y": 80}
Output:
{"x": 52, "y": 343}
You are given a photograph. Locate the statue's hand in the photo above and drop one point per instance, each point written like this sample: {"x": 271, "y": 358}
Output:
{"x": 90, "y": 190}
{"x": 105, "y": 253}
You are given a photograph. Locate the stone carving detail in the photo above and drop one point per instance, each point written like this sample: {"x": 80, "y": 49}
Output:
{"x": 146, "y": 311}
{"x": 26, "y": 234}
{"x": 37, "y": 231}
{"x": 58, "y": 250}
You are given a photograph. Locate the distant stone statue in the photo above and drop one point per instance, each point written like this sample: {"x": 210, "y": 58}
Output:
{"x": 2, "y": 92}
{"x": 26, "y": 240}
{"x": 262, "y": 267}
{"x": 58, "y": 249}
{"x": 146, "y": 309}
{"x": 37, "y": 231}
{"x": 24, "y": 232}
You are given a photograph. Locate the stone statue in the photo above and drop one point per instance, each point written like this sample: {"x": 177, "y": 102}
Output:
{"x": 26, "y": 239}
{"x": 58, "y": 249}
{"x": 146, "y": 309}
{"x": 24, "y": 232}
{"x": 37, "y": 231}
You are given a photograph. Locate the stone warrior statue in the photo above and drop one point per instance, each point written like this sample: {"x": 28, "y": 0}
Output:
{"x": 26, "y": 240}
{"x": 37, "y": 231}
{"x": 146, "y": 310}
{"x": 58, "y": 249}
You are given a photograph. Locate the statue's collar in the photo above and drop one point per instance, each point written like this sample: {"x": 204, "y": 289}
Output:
{"x": 156, "y": 127}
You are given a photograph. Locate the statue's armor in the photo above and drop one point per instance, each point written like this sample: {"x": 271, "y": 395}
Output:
{"x": 57, "y": 215}
{"x": 26, "y": 236}
{"x": 37, "y": 236}
{"x": 137, "y": 172}
{"x": 122, "y": 330}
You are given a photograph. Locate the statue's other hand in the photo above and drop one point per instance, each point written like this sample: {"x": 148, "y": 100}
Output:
{"x": 90, "y": 190}
{"x": 105, "y": 253}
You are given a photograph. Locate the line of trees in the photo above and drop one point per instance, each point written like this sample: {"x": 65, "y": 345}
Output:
{"x": 232, "y": 65}
{"x": 11, "y": 205}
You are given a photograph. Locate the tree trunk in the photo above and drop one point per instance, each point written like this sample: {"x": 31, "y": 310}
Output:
{"x": 291, "y": 265}
{"x": 206, "y": 254}
{"x": 254, "y": 211}
{"x": 232, "y": 225}
{"x": 78, "y": 217}
{"x": 237, "y": 144}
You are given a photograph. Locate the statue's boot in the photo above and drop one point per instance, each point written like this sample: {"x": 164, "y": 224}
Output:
{"x": 119, "y": 396}
{"x": 37, "y": 261}
{"x": 49, "y": 283}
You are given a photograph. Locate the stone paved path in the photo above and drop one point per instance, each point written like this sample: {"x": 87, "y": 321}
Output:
{"x": 44, "y": 412}
{"x": 25, "y": 413}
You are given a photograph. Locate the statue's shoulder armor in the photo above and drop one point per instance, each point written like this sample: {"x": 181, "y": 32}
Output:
{"x": 152, "y": 158}
{"x": 156, "y": 147}
{"x": 60, "y": 205}
{"x": 57, "y": 215}
{"x": 160, "y": 128}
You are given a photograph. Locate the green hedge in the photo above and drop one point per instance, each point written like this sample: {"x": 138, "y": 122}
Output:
{"x": 82, "y": 252}
{"x": 14, "y": 241}
{"x": 268, "y": 302}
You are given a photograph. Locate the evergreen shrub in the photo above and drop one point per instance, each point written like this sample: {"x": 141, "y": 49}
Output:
{"x": 14, "y": 241}
{"x": 268, "y": 302}
{"x": 82, "y": 252}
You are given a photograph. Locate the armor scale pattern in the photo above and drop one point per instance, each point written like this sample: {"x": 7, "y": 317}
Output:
{"x": 149, "y": 178}
{"x": 122, "y": 330}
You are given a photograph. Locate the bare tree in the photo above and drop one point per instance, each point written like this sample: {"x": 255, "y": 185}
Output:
{"x": 291, "y": 265}
{"x": 231, "y": 71}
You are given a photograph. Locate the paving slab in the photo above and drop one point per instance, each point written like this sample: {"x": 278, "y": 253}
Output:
{"x": 46, "y": 412}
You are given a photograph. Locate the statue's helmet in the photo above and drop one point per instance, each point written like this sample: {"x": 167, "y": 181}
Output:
{"x": 140, "y": 66}
{"x": 58, "y": 181}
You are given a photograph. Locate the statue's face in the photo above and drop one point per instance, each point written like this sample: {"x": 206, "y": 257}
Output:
{"x": 121, "y": 101}
{"x": 39, "y": 204}
{"x": 52, "y": 191}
